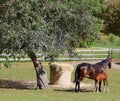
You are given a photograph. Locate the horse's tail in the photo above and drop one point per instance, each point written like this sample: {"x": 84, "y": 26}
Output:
{"x": 75, "y": 79}
{"x": 76, "y": 74}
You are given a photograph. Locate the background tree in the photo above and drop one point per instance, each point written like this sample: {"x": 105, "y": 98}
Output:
{"x": 51, "y": 26}
{"x": 111, "y": 17}
{"x": 88, "y": 26}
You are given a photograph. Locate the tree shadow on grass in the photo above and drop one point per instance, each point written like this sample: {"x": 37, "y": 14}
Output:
{"x": 17, "y": 84}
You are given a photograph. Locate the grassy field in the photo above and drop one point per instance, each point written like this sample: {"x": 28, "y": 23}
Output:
{"x": 25, "y": 71}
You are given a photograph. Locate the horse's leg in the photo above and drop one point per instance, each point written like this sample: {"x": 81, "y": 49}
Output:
{"x": 76, "y": 81}
{"x": 100, "y": 86}
{"x": 77, "y": 86}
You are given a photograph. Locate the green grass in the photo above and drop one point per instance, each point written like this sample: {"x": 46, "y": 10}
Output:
{"x": 18, "y": 71}
{"x": 106, "y": 45}
{"x": 25, "y": 71}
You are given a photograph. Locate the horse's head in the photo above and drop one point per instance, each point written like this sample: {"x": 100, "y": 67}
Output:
{"x": 108, "y": 62}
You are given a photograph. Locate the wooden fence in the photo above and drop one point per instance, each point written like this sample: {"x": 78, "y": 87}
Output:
{"x": 81, "y": 55}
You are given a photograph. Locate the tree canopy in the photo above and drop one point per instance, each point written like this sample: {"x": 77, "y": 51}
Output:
{"x": 49, "y": 26}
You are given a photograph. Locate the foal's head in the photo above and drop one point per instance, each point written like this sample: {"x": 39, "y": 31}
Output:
{"x": 90, "y": 71}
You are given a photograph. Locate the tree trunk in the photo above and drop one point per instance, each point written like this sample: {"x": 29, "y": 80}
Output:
{"x": 42, "y": 81}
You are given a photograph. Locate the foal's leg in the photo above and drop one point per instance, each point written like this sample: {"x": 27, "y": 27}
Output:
{"x": 95, "y": 89}
{"x": 97, "y": 86}
{"x": 104, "y": 85}
{"x": 107, "y": 84}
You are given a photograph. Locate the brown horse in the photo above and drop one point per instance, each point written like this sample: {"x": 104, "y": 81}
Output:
{"x": 81, "y": 70}
{"x": 97, "y": 77}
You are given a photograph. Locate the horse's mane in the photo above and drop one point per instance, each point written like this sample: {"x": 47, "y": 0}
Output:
{"x": 103, "y": 64}
{"x": 105, "y": 60}
{"x": 98, "y": 66}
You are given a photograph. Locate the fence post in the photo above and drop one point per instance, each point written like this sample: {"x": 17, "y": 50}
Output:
{"x": 43, "y": 56}
{"x": 91, "y": 55}
{"x": 119, "y": 52}
{"x": 109, "y": 53}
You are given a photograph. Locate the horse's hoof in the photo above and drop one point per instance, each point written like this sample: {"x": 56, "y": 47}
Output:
{"x": 77, "y": 91}
{"x": 100, "y": 90}
{"x": 36, "y": 89}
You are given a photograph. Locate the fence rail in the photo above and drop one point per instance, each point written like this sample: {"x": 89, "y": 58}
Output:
{"x": 82, "y": 55}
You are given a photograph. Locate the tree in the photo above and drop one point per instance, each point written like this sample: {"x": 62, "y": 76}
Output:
{"x": 111, "y": 17}
{"x": 88, "y": 26}
{"x": 35, "y": 25}
{"x": 51, "y": 26}
{"x": 20, "y": 30}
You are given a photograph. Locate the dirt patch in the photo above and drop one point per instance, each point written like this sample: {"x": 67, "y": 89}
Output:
{"x": 116, "y": 65}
